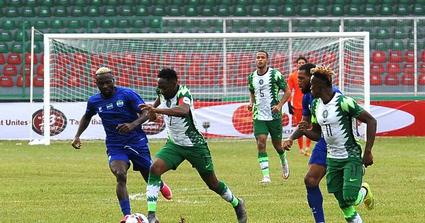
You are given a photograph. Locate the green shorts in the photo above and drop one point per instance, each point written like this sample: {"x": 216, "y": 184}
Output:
{"x": 198, "y": 156}
{"x": 344, "y": 175}
{"x": 274, "y": 127}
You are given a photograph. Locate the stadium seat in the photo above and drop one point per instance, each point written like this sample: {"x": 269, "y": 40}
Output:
{"x": 409, "y": 56}
{"x": 11, "y": 12}
{"x": 395, "y": 56}
{"x": 354, "y": 10}
{"x": 337, "y": 10}
{"x": 397, "y": 44}
{"x": 408, "y": 68}
{"x": 321, "y": 10}
{"x": 10, "y": 70}
{"x": 2, "y": 58}
{"x": 5, "y": 36}
{"x": 393, "y": 68}
{"x": 402, "y": 10}
{"x": 385, "y": 9}
{"x": 370, "y": 10}
{"x": 375, "y": 79}
{"x": 38, "y": 81}
{"x": 106, "y": 23}
{"x": 376, "y": 68}
{"x": 240, "y": 10}
{"x": 207, "y": 11}
{"x": 6, "y": 81}
{"x": 382, "y": 33}
{"x": 14, "y": 58}
{"x": 28, "y": 58}
{"x": 288, "y": 10}
{"x": 418, "y": 10}
{"x": 20, "y": 81}
{"x": 392, "y": 80}
{"x": 59, "y": 11}
{"x": 40, "y": 70}
{"x": 43, "y": 11}
{"x": 379, "y": 56}
{"x": 27, "y": 12}
{"x": 191, "y": 11}
{"x": 407, "y": 79}
{"x": 305, "y": 10}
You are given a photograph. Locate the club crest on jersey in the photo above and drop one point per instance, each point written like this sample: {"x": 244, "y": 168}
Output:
{"x": 261, "y": 81}
{"x": 120, "y": 103}
{"x": 168, "y": 103}
{"x": 109, "y": 106}
{"x": 99, "y": 109}
{"x": 325, "y": 114}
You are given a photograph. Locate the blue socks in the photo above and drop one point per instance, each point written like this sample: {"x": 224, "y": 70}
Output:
{"x": 315, "y": 201}
{"x": 125, "y": 207}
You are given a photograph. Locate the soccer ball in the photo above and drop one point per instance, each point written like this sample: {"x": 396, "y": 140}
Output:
{"x": 136, "y": 218}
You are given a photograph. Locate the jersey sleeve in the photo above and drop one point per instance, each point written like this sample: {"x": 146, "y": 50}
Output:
{"x": 135, "y": 100}
{"x": 90, "y": 109}
{"x": 306, "y": 106}
{"x": 350, "y": 106}
{"x": 280, "y": 80}
{"x": 184, "y": 96}
{"x": 313, "y": 111}
{"x": 250, "y": 83}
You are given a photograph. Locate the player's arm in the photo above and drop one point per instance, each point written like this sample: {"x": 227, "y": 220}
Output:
{"x": 157, "y": 102}
{"x": 314, "y": 133}
{"x": 182, "y": 110}
{"x": 84, "y": 123}
{"x": 371, "y": 123}
{"x": 287, "y": 143}
{"x": 128, "y": 127}
{"x": 287, "y": 93}
{"x": 251, "y": 101}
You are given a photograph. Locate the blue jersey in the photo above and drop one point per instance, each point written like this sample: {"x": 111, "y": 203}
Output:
{"x": 122, "y": 107}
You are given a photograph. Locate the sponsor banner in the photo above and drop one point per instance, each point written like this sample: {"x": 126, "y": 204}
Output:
{"x": 215, "y": 119}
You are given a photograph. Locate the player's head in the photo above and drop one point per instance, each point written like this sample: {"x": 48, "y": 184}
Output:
{"x": 261, "y": 59}
{"x": 304, "y": 76}
{"x": 321, "y": 80}
{"x": 301, "y": 60}
{"x": 105, "y": 81}
{"x": 167, "y": 82}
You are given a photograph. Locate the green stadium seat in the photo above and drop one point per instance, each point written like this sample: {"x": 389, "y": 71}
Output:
{"x": 59, "y": 11}
{"x": 272, "y": 10}
{"x": 125, "y": 10}
{"x": 145, "y": 2}
{"x": 288, "y": 10}
{"x": 240, "y": 10}
{"x": 193, "y": 2}
{"x": 382, "y": 33}
{"x": 222, "y": 10}
{"x": 337, "y": 10}
{"x": 106, "y": 23}
{"x": 27, "y": 12}
{"x": 386, "y": 9}
{"x": 357, "y": 2}
{"x": 123, "y": 23}
{"x": 11, "y": 12}
{"x": 191, "y": 11}
{"x": 43, "y": 11}
{"x": 110, "y": 10}
{"x": 8, "y": 24}
{"x": 37, "y": 47}
{"x": 46, "y": 3}
{"x": 5, "y": 36}
{"x": 17, "y": 48}
{"x": 158, "y": 11}
{"x": 174, "y": 10}
{"x": 62, "y": 2}
{"x": 207, "y": 11}
{"x": 402, "y": 32}
{"x": 77, "y": 11}
{"x": 418, "y": 9}
{"x": 402, "y": 9}
{"x": 92, "y": 11}
{"x": 155, "y": 23}
{"x": 177, "y": 2}
{"x": 370, "y": 10}
{"x": 41, "y": 24}
{"x": 96, "y": 3}
{"x": 111, "y": 2}
{"x": 141, "y": 11}
{"x": 354, "y": 10}
{"x": 305, "y": 10}
{"x": 138, "y": 23}
{"x": 56, "y": 24}
{"x": 20, "y": 35}
{"x": 353, "y": 23}
{"x": 4, "y": 48}
{"x": 321, "y": 10}
{"x": 74, "y": 24}
{"x": 82, "y": 3}
{"x": 380, "y": 45}
{"x": 397, "y": 44}
{"x": 255, "y": 10}
{"x": 14, "y": 3}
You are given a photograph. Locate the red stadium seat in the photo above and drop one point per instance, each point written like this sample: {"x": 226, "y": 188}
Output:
{"x": 375, "y": 79}
{"x": 408, "y": 68}
{"x": 231, "y": 58}
{"x": 194, "y": 70}
{"x": 6, "y": 81}
{"x": 409, "y": 56}
{"x": 393, "y": 68}
{"x": 392, "y": 80}
{"x": 41, "y": 58}
{"x": 2, "y": 59}
{"x": 129, "y": 59}
{"x": 74, "y": 81}
{"x": 62, "y": 58}
{"x": 328, "y": 58}
{"x": 379, "y": 56}
{"x": 38, "y": 81}
{"x": 97, "y": 60}
{"x": 40, "y": 70}
{"x": 278, "y": 60}
{"x": 408, "y": 79}
{"x": 14, "y": 58}
{"x": 395, "y": 56}
{"x": 28, "y": 58}
{"x": 423, "y": 56}
{"x": 376, "y": 68}
{"x": 421, "y": 79}
{"x": 10, "y": 70}
{"x": 80, "y": 58}
{"x": 20, "y": 81}
{"x": 25, "y": 70}
{"x": 421, "y": 68}
{"x": 214, "y": 58}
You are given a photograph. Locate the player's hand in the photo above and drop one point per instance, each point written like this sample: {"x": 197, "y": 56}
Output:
{"x": 76, "y": 143}
{"x": 125, "y": 128}
{"x": 287, "y": 143}
{"x": 249, "y": 107}
{"x": 303, "y": 126}
{"x": 276, "y": 109}
{"x": 152, "y": 116}
{"x": 367, "y": 158}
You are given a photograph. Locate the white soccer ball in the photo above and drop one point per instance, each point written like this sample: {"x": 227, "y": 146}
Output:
{"x": 137, "y": 218}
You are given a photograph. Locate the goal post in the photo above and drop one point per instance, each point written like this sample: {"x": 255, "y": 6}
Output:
{"x": 215, "y": 66}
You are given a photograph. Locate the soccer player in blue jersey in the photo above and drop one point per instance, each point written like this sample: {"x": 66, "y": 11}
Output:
{"x": 185, "y": 142}
{"x": 317, "y": 163}
{"x": 118, "y": 108}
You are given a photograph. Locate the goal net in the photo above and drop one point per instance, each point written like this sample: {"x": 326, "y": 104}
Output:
{"x": 214, "y": 66}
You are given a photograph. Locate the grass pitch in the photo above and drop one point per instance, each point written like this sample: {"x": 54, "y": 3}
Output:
{"x": 59, "y": 184}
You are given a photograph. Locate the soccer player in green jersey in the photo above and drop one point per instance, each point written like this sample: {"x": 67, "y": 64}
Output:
{"x": 185, "y": 142}
{"x": 332, "y": 115}
{"x": 264, "y": 86}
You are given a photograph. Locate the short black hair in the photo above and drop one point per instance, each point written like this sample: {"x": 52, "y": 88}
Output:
{"x": 302, "y": 58}
{"x": 307, "y": 68}
{"x": 168, "y": 74}
{"x": 263, "y": 51}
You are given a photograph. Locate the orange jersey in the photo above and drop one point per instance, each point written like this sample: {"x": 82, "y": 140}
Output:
{"x": 296, "y": 94}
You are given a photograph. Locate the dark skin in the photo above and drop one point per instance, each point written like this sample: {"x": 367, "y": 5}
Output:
{"x": 169, "y": 89}
{"x": 261, "y": 61}
{"x": 106, "y": 85}
{"x": 321, "y": 90}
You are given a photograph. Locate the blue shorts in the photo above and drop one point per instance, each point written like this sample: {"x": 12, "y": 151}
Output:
{"x": 138, "y": 154}
{"x": 318, "y": 155}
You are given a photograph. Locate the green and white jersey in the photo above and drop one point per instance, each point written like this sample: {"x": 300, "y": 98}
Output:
{"x": 266, "y": 89}
{"x": 181, "y": 130}
{"x": 335, "y": 119}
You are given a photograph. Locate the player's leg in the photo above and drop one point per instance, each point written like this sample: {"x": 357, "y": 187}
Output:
{"x": 119, "y": 164}
{"x": 317, "y": 169}
{"x": 260, "y": 133}
{"x": 200, "y": 158}
{"x": 167, "y": 158}
{"x": 275, "y": 129}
